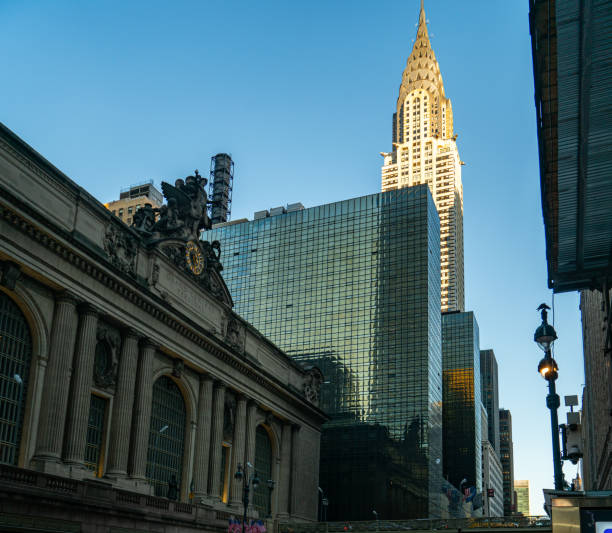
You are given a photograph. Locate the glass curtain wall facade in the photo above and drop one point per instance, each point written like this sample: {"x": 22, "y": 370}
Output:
{"x": 490, "y": 394}
{"x": 353, "y": 287}
{"x": 462, "y": 400}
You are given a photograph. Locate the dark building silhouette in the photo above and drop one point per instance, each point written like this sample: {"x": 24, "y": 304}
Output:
{"x": 490, "y": 395}
{"x": 507, "y": 459}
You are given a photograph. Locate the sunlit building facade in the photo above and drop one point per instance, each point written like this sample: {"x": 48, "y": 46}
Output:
{"x": 521, "y": 487}
{"x": 126, "y": 399}
{"x": 462, "y": 403}
{"x": 353, "y": 287}
{"x": 425, "y": 151}
{"x": 132, "y": 198}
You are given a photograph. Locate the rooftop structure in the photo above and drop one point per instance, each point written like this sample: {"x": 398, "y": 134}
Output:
{"x": 132, "y": 198}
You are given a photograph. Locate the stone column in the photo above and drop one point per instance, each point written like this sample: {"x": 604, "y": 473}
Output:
{"x": 250, "y": 436}
{"x": 295, "y": 476}
{"x": 57, "y": 381}
{"x": 285, "y": 472}
{"x": 238, "y": 451}
{"x": 80, "y": 395}
{"x": 119, "y": 446}
{"x": 142, "y": 411}
{"x": 216, "y": 441}
{"x": 202, "y": 439}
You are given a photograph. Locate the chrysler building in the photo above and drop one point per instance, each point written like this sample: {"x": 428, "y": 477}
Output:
{"x": 425, "y": 151}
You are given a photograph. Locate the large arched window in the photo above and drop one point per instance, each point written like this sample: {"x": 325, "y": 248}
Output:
{"x": 263, "y": 466}
{"x": 15, "y": 356}
{"x": 166, "y": 438}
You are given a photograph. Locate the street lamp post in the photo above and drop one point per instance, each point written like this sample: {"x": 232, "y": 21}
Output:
{"x": 544, "y": 336}
{"x": 270, "y": 489}
{"x": 324, "y": 504}
{"x": 243, "y": 475}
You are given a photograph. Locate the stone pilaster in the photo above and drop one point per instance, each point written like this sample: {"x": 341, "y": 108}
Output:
{"x": 57, "y": 382}
{"x": 295, "y": 477}
{"x": 80, "y": 391}
{"x": 142, "y": 411}
{"x": 119, "y": 445}
{"x": 202, "y": 440}
{"x": 216, "y": 441}
{"x": 238, "y": 451}
{"x": 284, "y": 488}
{"x": 250, "y": 435}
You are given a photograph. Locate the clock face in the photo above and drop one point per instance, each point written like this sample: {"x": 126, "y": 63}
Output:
{"x": 194, "y": 258}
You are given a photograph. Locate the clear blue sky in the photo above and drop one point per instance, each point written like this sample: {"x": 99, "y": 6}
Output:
{"x": 302, "y": 95}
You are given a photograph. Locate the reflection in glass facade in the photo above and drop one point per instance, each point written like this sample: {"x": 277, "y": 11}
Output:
{"x": 354, "y": 288}
{"x": 462, "y": 399}
{"x": 490, "y": 394}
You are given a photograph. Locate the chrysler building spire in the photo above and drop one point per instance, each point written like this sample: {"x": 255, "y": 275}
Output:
{"x": 425, "y": 151}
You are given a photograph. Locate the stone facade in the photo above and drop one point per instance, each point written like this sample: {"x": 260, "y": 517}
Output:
{"x": 110, "y": 317}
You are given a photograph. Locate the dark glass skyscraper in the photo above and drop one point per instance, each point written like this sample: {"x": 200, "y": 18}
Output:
{"x": 354, "y": 288}
{"x": 490, "y": 394}
{"x": 506, "y": 448}
{"x": 462, "y": 399}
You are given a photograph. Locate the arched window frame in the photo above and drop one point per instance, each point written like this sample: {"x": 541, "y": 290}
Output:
{"x": 188, "y": 401}
{"x": 19, "y": 388}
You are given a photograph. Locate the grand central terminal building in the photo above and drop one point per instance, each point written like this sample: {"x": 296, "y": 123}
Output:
{"x": 130, "y": 392}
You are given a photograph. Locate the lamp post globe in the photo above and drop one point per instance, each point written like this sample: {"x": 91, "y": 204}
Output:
{"x": 544, "y": 336}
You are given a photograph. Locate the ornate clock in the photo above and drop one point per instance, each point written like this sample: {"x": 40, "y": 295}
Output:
{"x": 194, "y": 258}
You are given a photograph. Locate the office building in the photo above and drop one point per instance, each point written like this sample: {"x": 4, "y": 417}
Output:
{"x": 131, "y": 199}
{"x": 492, "y": 481}
{"x": 353, "y": 287}
{"x": 506, "y": 456}
{"x": 490, "y": 395}
{"x": 521, "y": 488}
{"x": 128, "y": 400}
{"x": 462, "y": 403}
{"x": 425, "y": 151}
{"x": 571, "y": 68}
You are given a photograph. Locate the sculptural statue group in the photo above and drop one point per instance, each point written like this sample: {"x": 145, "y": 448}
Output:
{"x": 183, "y": 217}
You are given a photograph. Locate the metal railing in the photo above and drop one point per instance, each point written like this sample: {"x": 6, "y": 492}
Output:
{"x": 513, "y": 522}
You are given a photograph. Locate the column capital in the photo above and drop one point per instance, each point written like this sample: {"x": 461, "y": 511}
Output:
{"x": 218, "y": 384}
{"x": 67, "y": 297}
{"x": 205, "y": 378}
{"x": 147, "y": 342}
{"x": 241, "y": 397}
{"x": 128, "y": 331}
{"x": 251, "y": 402}
{"x": 87, "y": 309}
